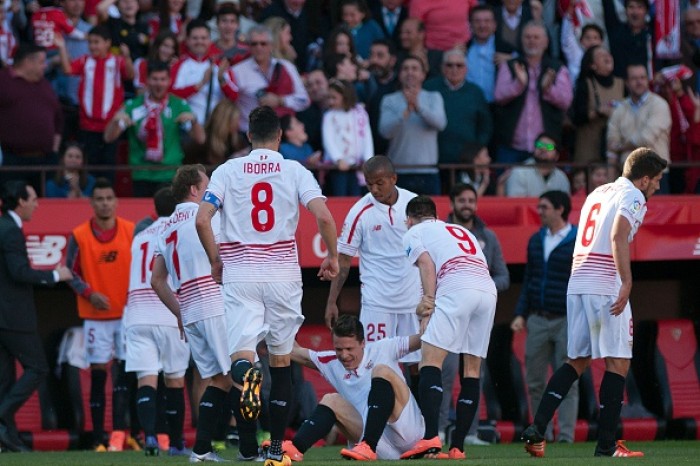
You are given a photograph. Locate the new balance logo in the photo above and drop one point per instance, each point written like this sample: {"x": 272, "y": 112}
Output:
{"x": 206, "y": 404}
{"x": 466, "y": 402}
{"x": 555, "y": 395}
{"x": 145, "y": 399}
{"x": 435, "y": 387}
{"x": 110, "y": 256}
{"x": 46, "y": 251}
{"x": 377, "y": 228}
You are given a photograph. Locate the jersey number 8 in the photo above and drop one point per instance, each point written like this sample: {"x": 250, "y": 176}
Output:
{"x": 262, "y": 204}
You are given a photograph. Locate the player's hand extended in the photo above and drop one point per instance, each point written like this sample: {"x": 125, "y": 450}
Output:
{"x": 623, "y": 296}
{"x": 64, "y": 273}
{"x": 426, "y": 306}
{"x": 329, "y": 268}
{"x": 331, "y": 315}
{"x": 217, "y": 270}
{"x": 100, "y": 301}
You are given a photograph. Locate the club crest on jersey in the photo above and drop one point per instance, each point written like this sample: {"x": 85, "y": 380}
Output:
{"x": 408, "y": 251}
{"x": 636, "y": 206}
{"x": 377, "y": 228}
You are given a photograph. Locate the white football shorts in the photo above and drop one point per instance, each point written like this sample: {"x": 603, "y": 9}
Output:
{"x": 104, "y": 340}
{"x": 402, "y": 435}
{"x": 593, "y": 332}
{"x": 152, "y": 348}
{"x": 380, "y": 324}
{"x": 207, "y": 339}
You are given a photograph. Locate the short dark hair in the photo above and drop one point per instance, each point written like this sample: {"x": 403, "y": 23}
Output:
{"x": 348, "y": 325}
{"x": 548, "y": 136}
{"x": 197, "y": 23}
{"x": 421, "y": 207}
{"x": 263, "y": 124}
{"x": 386, "y": 43}
{"x": 164, "y": 201}
{"x": 635, "y": 65}
{"x": 595, "y": 27}
{"x": 644, "y": 3}
{"x": 331, "y": 62}
{"x": 25, "y": 50}
{"x": 413, "y": 57}
{"x": 479, "y": 8}
{"x": 379, "y": 163}
{"x": 101, "y": 31}
{"x": 12, "y": 192}
{"x": 228, "y": 8}
{"x": 459, "y": 188}
{"x": 643, "y": 162}
{"x": 101, "y": 183}
{"x": 186, "y": 176}
{"x": 559, "y": 199}
{"x": 157, "y": 66}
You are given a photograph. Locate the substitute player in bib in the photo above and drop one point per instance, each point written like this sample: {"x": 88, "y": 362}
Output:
{"x": 374, "y": 229}
{"x": 457, "y": 311}
{"x": 599, "y": 316}
{"x": 259, "y": 197}
{"x": 153, "y": 340}
{"x": 199, "y": 309}
{"x": 373, "y": 407}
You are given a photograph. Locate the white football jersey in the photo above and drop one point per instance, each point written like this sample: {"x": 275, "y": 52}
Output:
{"x": 143, "y": 306}
{"x": 459, "y": 261}
{"x": 259, "y": 198}
{"x": 593, "y": 270}
{"x": 188, "y": 266}
{"x": 354, "y": 385}
{"x": 375, "y": 231}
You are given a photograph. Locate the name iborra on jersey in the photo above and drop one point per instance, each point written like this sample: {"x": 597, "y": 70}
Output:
{"x": 261, "y": 168}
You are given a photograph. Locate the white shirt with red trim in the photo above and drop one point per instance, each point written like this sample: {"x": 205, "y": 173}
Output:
{"x": 593, "y": 270}
{"x": 459, "y": 261}
{"x": 101, "y": 92}
{"x": 259, "y": 197}
{"x": 375, "y": 231}
{"x": 49, "y": 21}
{"x": 186, "y": 74}
{"x": 143, "y": 306}
{"x": 8, "y": 45}
{"x": 354, "y": 385}
{"x": 199, "y": 295}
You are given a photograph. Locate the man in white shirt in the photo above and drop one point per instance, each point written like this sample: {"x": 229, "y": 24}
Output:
{"x": 257, "y": 262}
{"x": 599, "y": 315}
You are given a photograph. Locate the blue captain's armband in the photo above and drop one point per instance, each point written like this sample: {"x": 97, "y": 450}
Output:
{"x": 212, "y": 199}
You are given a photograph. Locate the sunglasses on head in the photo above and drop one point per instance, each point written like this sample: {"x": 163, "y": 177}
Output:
{"x": 544, "y": 145}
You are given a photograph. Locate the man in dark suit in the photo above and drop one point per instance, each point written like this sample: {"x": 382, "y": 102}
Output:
{"x": 19, "y": 338}
{"x": 389, "y": 14}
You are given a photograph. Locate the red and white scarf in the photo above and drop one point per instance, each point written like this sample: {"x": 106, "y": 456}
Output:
{"x": 151, "y": 129}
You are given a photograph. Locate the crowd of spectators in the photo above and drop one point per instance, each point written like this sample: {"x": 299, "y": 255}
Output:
{"x": 554, "y": 93}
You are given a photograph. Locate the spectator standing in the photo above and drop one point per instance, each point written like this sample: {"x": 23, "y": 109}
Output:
{"x": 690, "y": 47}
{"x": 127, "y": 28}
{"x": 281, "y": 38}
{"x": 227, "y": 44}
{"x": 468, "y": 114}
{"x": 642, "y": 119}
{"x": 599, "y": 316}
{"x": 482, "y": 58}
{"x": 446, "y": 22}
{"x": 511, "y": 19}
{"x": 297, "y": 14}
{"x": 347, "y": 139}
{"x": 71, "y": 181}
{"x": 19, "y": 337}
{"x": 413, "y": 44}
{"x": 100, "y": 94}
{"x": 30, "y": 134}
{"x": 411, "y": 119}
{"x": 630, "y": 42}
{"x": 170, "y": 17}
{"x": 163, "y": 49}
{"x": 195, "y": 73}
{"x": 223, "y": 139}
{"x": 262, "y": 79}
{"x": 574, "y": 48}
{"x": 597, "y": 94}
{"x": 532, "y": 93}
{"x": 153, "y": 122}
{"x": 316, "y": 85}
{"x": 365, "y": 30}
{"x": 541, "y": 307}
{"x": 382, "y": 67}
{"x": 50, "y": 21}
{"x": 390, "y": 14}
{"x": 538, "y": 173}
{"x": 8, "y": 41}
{"x": 99, "y": 254}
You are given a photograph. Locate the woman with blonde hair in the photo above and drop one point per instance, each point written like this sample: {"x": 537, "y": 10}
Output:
{"x": 223, "y": 137}
{"x": 281, "y": 38}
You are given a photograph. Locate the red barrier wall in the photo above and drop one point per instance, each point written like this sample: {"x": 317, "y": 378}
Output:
{"x": 671, "y": 230}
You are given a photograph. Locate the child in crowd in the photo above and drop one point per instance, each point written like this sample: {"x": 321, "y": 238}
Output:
{"x": 71, "y": 180}
{"x": 49, "y": 21}
{"x": 294, "y": 142}
{"x": 101, "y": 92}
{"x": 365, "y": 30}
{"x": 480, "y": 175}
{"x": 126, "y": 28}
{"x": 347, "y": 139}
{"x": 171, "y": 17}
{"x": 164, "y": 49}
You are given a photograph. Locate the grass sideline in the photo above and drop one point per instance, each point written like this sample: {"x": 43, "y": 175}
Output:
{"x": 659, "y": 453}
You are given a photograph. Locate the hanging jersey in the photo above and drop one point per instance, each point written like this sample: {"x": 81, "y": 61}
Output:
{"x": 459, "y": 261}
{"x": 8, "y": 45}
{"x": 46, "y": 23}
{"x": 188, "y": 266}
{"x": 354, "y": 385}
{"x": 375, "y": 231}
{"x": 101, "y": 92}
{"x": 143, "y": 307}
{"x": 259, "y": 198}
{"x": 593, "y": 270}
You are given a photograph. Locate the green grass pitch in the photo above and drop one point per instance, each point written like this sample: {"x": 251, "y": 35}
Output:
{"x": 658, "y": 453}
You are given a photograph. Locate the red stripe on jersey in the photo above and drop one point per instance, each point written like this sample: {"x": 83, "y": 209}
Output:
{"x": 281, "y": 252}
{"x": 357, "y": 219}
{"x": 463, "y": 263}
{"x": 327, "y": 359}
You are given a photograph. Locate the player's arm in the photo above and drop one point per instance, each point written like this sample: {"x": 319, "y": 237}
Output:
{"x": 77, "y": 283}
{"x": 116, "y": 126}
{"x": 414, "y": 342}
{"x": 329, "y": 234}
{"x": 428, "y": 280}
{"x": 344, "y": 262}
{"x": 300, "y": 355}
{"x": 619, "y": 238}
{"x": 159, "y": 283}
{"x": 206, "y": 236}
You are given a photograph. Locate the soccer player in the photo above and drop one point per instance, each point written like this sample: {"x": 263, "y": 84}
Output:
{"x": 599, "y": 316}
{"x": 99, "y": 255}
{"x": 374, "y": 407}
{"x": 457, "y": 310}
{"x": 199, "y": 307}
{"x": 153, "y": 339}
{"x": 374, "y": 229}
{"x": 256, "y": 261}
